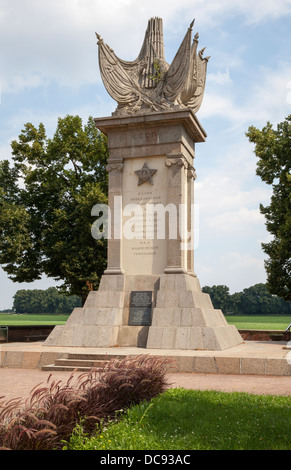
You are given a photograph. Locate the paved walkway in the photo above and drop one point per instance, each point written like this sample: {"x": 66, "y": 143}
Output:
{"x": 17, "y": 383}
{"x": 262, "y": 368}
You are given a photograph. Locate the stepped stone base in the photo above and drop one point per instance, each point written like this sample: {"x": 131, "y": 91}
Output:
{"x": 183, "y": 317}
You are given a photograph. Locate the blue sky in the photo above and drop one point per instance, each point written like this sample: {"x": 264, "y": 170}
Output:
{"x": 49, "y": 68}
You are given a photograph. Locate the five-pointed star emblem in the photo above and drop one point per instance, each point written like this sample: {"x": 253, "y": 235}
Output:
{"x": 145, "y": 174}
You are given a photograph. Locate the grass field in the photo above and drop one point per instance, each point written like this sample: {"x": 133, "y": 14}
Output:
{"x": 24, "y": 320}
{"x": 242, "y": 322}
{"x": 259, "y": 322}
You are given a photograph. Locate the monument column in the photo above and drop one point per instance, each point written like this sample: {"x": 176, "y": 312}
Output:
{"x": 191, "y": 222}
{"x": 177, "y": 170}
{"x": 114, "y": 262}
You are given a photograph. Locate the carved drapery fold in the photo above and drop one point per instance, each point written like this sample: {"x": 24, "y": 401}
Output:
{"x": 149, "y": 83}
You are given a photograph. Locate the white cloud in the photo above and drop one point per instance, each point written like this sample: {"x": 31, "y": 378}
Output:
{"x": 19, "y": 82}
{"x": 266, "y": 98}
{"x": 231, "y": 184}
{"x": 56, "y": 40}
{"x": 239, "y": 221}
{"x": 219, "y": 78}
{"x": 237, "y": 270}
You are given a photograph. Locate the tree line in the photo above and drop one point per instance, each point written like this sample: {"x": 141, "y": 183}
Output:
{"x": 254, "y": 300}
{"x": 48, "y": 301}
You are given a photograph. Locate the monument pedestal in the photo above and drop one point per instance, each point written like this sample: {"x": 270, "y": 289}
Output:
{"x": 182, "y": 317}
{"x": 150, "y": 245}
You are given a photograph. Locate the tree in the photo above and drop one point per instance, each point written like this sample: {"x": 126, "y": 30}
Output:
{"x": 44, "y": 301}
{"x": 273, "y": 150}
{"x": 254, "y": 300}
{"x": 257, "y": 300}
{"x": 219, "y": 295}
{"x": 46, "y": 200}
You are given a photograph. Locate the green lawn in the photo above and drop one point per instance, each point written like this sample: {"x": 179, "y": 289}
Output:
{"x": 183, "y": 419}
{"x": 259, "y": 322}
{"x": 242, "y": 322}
{"x": 24, "y": 320}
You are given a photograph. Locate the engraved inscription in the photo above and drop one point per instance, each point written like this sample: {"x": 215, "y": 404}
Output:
{"x": 142, "y": 138}
{"x": 140, "y": 310}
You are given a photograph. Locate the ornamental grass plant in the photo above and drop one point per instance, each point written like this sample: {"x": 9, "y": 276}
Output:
{"x": 52, "y": 411}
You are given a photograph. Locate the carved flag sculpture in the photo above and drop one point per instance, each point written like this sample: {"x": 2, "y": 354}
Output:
{"x": 149, "y": 83}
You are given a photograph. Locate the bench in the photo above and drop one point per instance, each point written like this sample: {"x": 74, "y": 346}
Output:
{"x": 5, "y": 330}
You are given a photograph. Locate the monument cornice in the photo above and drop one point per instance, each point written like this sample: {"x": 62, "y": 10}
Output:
{"x": 186, "y": 117}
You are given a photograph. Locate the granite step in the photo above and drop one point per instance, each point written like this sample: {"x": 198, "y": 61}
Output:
{"x": 63, "y": 368}
{"x": 80, "y": 362}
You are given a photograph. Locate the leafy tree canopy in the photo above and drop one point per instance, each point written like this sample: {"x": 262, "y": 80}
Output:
{"x": 44, "y": 301}
{"x": 254, "y": 300}
{"x": 46, "y": 199}
{"x": 273, "y": 150}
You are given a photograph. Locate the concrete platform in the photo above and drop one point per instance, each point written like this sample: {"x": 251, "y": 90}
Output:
{"x": 249, "y": 358}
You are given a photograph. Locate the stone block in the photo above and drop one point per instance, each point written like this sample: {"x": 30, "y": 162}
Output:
{"x": 55, "y": 335}
{"x": 187, "y": 299}
{"x": 155, "y": 337}
{"x": 171, "y": 299}
{"x": 205, "y": 365}
{"x": 90, "y": 315}
{"x": 167, "y": 282}
{"x": 162, "y": 316}
{"x": 186, "y": 317}
{"x": 181, "y": 283}
{"x": 30, "y": 360}
{"x": 14, "y": 359}
{"x": 278, "y": 367}
{"x": 214, "y": 318}
{"x": 168, "y": 337}
{"x": 102, "y": 316}
{"x": 90, "y": 301}
{"x": 114, "y": 299}
{"x": 101, "y": 336}
{"x": 253, "y": 366}
{"x": 76, "y": 317}
{"x": 182, "y": 338}
{"x": 195, "y": 338}
{"x": 2, "y": 357}
{"x": 209, "y": 339}
{"x": 47, "y": 358}
{"x": 183, "y": 364}
{"x": 112, "y": 282}
{"x": 130, "y": 336}
{"x": 228, "y": 365}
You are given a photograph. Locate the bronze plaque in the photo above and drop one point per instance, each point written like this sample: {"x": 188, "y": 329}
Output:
{"x": 140, "y": 309}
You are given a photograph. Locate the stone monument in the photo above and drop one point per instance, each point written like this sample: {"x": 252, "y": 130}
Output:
{"x": 149, "y": 296}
